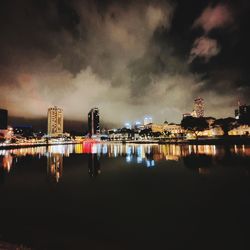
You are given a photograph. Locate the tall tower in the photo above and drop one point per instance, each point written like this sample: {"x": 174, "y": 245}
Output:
{"x": 55, "y": 121}
{"x": 93, "y": 121}
{"x": 3, "y": 119}
{"x": 199, "y": 107}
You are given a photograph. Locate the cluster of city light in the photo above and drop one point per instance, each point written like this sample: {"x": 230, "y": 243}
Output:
{"x": 137, "y": 131}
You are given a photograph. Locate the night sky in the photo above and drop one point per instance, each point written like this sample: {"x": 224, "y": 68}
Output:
{"x": 129, "y": 58}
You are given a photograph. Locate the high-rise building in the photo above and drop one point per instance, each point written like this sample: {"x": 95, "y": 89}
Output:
{"x": 93, "y": 122}
{"x": 55, "y": 121}
{"x": 3, "y": 119}
{"x": 198, "y": 107}
{"x": 243, "y": 112}
{"x": 147, "y": 120}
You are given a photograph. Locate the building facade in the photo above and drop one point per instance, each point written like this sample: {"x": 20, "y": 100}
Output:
{"x": 198, "y": 107}
{"x": 93, "y": 122}
{"x": 55, "y": 121}
{"x": 155, "y": 127}
{"x": 241, "y": 130}
{"x": 173, "y": 129}
{"x": 3, "y": 119}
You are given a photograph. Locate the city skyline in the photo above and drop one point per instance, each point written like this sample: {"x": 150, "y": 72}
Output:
{"x": 88, "y": 126}
{"x": 126, "y": 61}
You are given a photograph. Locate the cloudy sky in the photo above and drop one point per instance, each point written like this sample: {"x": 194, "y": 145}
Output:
{"x": 129, "y": 58}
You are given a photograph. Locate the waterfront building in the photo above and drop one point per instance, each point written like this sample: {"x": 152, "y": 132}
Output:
{"x": 3, "y": 119}
{"x": 55, "y": 121}
{"x": 198, "y": 107}
{"x": 241, "y": 130}
{"x": 155, "y": 127}
{"x": 173, "y": 128}
{"x": 211, "y": 132}
{"x": 93, "y": 122}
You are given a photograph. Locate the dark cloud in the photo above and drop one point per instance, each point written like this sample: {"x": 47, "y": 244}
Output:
{"x": 130, "y": 58}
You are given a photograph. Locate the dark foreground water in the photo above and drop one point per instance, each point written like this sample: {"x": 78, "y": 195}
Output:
{"x": 114, "y": 196}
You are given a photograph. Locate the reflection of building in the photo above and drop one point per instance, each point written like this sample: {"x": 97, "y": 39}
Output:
{"x": 7, "y": 161}
{"x": 198, "y": 107}
{"x": 147, "y": 120}
{"x": 3, "y": 119}
{"x": 93, "y": 121}
{"x": 55, "y": 165}
{"x": 55, "y": 121}
{"x": 94, "y": 165}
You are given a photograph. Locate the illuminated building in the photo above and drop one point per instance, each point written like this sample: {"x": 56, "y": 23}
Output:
{"x": 93, "y": 122}
{"x": 241, "y": 130}
{"x": 173, "y": 128}
{"x": 155, "y": 127}
{"x": 55, "y": 121}
{"x": 147, "y": 120}
{"x": 3, "y": 119}
{"x": 198, "y": 107}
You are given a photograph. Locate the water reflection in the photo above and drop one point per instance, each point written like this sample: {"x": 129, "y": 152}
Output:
{"x": 94, "y": 165}
{"x": 198, "y": 162}
{"x": 199, "y": 158}
{"x": 55, "y": 165}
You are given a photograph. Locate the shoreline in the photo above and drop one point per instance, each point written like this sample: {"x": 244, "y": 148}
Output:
{"x": 200, "y": 141}
{"x": 36, "y": 145}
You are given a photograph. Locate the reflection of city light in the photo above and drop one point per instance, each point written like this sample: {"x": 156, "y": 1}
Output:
{"x": 204, "y": 171}
{"x": 105, "y": 149}
{"x": 235, "y": 149}
{"x": 78, "y": 148}
{"x": 128, "y": 158}
{"x": 7, "y": 162}
{"x": 146, "y": 154}
{"x": 115, "y": 150}
{"x": 55, "y": 165}
{"x": 94, "y": 148}
{"x": 150, "y": 163}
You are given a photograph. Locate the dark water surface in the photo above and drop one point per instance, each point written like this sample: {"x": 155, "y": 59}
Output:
{"x": 114, "y": 196}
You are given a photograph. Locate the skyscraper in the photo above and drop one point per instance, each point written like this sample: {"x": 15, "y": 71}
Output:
{"x": 55, "y": 121}
{"x": 93, "y": 121}
{"x": 242, "y": 113}
{"x": 3, "y": 119}
{"x": 199, "y": 107}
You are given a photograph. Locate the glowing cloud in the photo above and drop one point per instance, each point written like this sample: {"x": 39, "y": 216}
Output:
{"x": 219, "y": 16}
{"x": 205, "y": 48}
